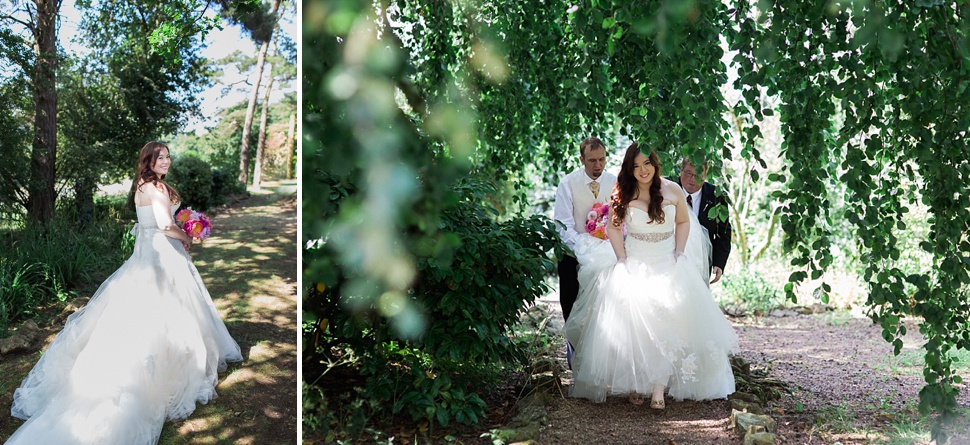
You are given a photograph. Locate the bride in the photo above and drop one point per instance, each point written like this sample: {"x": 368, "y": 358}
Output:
{"x": 645, "y": 318}
{"x": 147, "y": 346}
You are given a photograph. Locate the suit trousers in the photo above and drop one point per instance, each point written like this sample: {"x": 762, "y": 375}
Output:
{"x": 568, "y": 284}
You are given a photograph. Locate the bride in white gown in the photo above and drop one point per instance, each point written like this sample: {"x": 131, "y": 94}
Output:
{"x": 645, "y": 318}
{"x": 147, "y": 346}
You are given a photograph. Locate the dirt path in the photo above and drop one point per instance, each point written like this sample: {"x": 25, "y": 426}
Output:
{"x": 847, "y": 387}
{"x": 249, "y": 268}
{"x": 580, "y": 421}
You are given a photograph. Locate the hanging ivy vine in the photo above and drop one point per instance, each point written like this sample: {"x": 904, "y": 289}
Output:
{"x": 872, "y": 96}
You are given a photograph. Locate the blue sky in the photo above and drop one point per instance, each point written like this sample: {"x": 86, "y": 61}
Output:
{"x": 221, "y": 43}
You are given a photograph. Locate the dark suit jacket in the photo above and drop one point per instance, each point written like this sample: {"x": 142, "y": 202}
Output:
{"x": 719, "y": 232}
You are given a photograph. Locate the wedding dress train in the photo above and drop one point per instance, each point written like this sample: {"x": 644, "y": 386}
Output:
{"x": 146, "y": 348}
{"x": 651, "y": 320}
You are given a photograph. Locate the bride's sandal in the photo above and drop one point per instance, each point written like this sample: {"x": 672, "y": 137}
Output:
{"x": 636, "y": 398}
{"x": 657, "y": 404}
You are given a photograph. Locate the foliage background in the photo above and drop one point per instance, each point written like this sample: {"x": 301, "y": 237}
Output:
{"x": 840, "y": 126}
{"x": 134, "y": 75}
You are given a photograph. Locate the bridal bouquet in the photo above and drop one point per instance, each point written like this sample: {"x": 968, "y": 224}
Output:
{"x": 195, "y": 224}
{"x": 596, "y": 220}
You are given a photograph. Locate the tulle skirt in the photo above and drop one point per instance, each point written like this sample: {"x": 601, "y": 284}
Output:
{"x": 146, "y": 348}
{"x": 649, "y": 321}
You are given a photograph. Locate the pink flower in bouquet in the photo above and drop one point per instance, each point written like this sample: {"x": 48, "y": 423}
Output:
{"x": 195, "y": 224}
{"x": 596, "y": 220}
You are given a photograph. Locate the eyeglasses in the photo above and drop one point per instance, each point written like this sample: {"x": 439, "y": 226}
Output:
{"x": 690, "y": 176}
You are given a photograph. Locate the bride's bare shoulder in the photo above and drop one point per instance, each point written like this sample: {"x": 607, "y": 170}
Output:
{"x": 149, "y": 187}
{"x": 145, "y": 192}
{"x": 671, "y": 187}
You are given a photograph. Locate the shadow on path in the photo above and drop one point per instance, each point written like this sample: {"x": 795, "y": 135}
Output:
{"x": 616, "y": 421}
{"x": 249, "y": 267}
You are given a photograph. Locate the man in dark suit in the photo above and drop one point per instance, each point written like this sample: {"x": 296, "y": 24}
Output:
{"x": 701, "y": 197}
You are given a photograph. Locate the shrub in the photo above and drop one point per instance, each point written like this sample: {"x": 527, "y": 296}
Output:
{"x": 114, "y": 208}
{"x": 21, "y": 286}
{"x": 45, "y": 265}
{"x": 224, "y": 185}
{"x": 192, "y": 177}
{"x": 750, "y": 291}
{"x": 475, "y": 277}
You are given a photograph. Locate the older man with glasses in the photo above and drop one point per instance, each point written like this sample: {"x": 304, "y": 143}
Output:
{"x": 701, "y": 198}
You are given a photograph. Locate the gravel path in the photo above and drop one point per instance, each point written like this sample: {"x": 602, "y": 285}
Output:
{"x": 847, "y": 387}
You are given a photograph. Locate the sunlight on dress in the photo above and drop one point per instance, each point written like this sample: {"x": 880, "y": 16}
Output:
{"x": 146, "y": 348}
{"x": 651, "y": 320}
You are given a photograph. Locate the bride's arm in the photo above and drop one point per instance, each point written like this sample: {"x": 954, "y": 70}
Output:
{"x": 615, "y": 235}
{"x": 682, "y": 220}
{"x": 161, "y": 208}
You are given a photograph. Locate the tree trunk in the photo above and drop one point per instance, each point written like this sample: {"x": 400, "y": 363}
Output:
{"x": 84, "y": 200}
{"x": 260, "y": 145}
{"x": 251, "y": 108}
{"x": 290, "y": 146}
{"x": 40, "y": 203}
{"x": 263, "y": 119}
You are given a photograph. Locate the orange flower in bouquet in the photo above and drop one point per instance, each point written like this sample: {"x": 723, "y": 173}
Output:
{"x": 195, "y": 224}
{"x": 596, "y": 220}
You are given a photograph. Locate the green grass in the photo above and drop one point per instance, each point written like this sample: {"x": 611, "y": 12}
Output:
{"x": 835, "y": 318}
{"x": 910, "y": 362}
{"x": 912, "y": 428}
{"x": 836, "y": 418}
{"x": 909, "y": 431}
{"x": 43, "y": 267}
{"x": 894, "y": 426}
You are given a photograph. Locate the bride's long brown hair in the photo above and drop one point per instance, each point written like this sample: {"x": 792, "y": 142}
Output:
{"x": 627, "y": 188}
{"x": 144, "y": 173}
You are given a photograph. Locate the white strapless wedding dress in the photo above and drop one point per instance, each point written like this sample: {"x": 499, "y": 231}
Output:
{"x": 147, "y": 346}
{"x": 651, "y": 322}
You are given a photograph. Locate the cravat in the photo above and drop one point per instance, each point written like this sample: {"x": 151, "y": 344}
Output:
{"x": 595, "y": 187}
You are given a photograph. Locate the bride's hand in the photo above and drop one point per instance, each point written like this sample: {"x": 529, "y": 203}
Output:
{"x": 186, "y": 245}
{"x": 620, "y": 264}
{"x": 679, "y": 256}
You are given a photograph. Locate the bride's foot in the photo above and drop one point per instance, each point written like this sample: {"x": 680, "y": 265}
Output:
{"x": 657, "y": 398}
{"x": 636, "y": 398}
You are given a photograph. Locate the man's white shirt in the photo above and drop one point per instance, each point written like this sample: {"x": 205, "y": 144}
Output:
{"x": 695, "y": 198}
{"x": 565, "y": 210}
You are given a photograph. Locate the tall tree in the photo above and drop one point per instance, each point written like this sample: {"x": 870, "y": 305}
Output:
{"x": 263, "y": 119}
{"x": 290, "y": 145}
{"x": 251, "y": 108}
{"x": 151, "y": 72}
{"x": 279, "y": 67}
{"x": 39, "y": 18}
{"x": 44, "y": 155}
{"x": 142, "y": 83}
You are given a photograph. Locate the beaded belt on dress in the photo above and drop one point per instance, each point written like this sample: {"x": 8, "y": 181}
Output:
{"x": 652, "y": 237}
